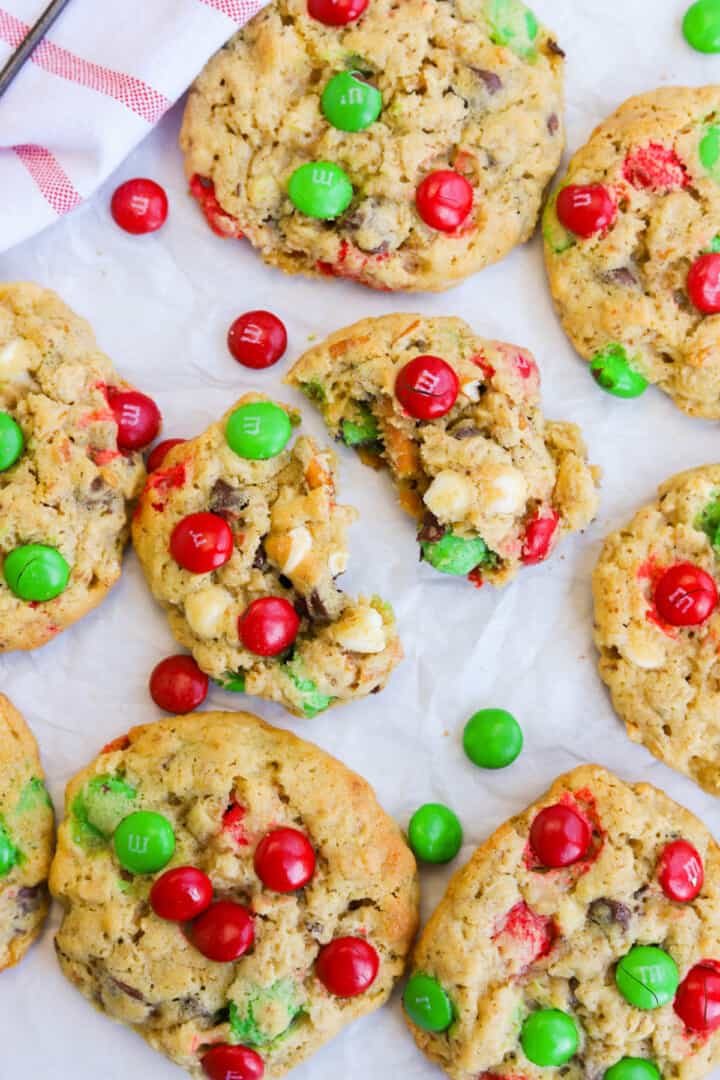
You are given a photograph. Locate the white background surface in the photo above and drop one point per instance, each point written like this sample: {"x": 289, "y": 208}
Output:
{"x": 161, "y": 306}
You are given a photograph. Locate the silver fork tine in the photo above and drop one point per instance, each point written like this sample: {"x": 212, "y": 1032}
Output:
{"x": 35, "y": 35}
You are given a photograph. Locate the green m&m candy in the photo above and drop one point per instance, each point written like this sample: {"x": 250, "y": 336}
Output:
{"x": 549, "y": 1037}
{"x": 258, "y": 431}
{"x": 36, "y": 572}
{"x": 701, "y": 26}
{"x": 320, "y": 189}
{"x": 8, "y": 852}
{"x": 434, "y": 833}
{"x": 492, "y": 738}
{"x": 633, "y": 1069}
{"x": 709, "y": 151}
{"x": 351, "y": 103}
{"x": 144, "y": 842}
{"x": 427, "y": 1004}
{"x": 361, "y": 429}
{"x": 12, "y": 441}
{"x": 647, "y": 977}
{"x": 512, "y": 24}
{"x": 612, "y": 371}
{"x": 455, "y": 554}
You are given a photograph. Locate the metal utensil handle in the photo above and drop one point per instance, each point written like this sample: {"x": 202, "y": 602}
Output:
{"x": 34, "y": 37}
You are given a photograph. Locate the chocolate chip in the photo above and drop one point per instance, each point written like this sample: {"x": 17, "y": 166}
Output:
{"x": 285, "y": 581}
{"x": 260, "y": 561}
{"x": 604, "y": 912}
{"x": 553, "y": 47}
{"x": 553, "y": 123}
{"x": 226, "y": 500}
{"x": 682, "y": 300}
{"x": 312, "y": 607}
{"x": 418, "y": 343}
{"x": 98, "y": 494}
{"x": 622, "y": 275}
{"x": 30, "y": 898}
{"x": 129, "y": 990}
{"x": 468, "y": 431}
{"x": 431, "y": 530}
{"x": 492, "y": 81}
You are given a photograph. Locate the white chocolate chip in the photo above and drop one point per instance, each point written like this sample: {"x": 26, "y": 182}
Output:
{"x": 300, "y": 544}
{"x": 204, "y": 610}
{"x": 644, "y": 648}
{"x": 337, "y": 562}
{"x": 449, "y": 496}
{"x": 503, "y": 489}
{"x": 471, "y": 389}
{"x": 361, "y": 631}
{"x": 15, "y": 359}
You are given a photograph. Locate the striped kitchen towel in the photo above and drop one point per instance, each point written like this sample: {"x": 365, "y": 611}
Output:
{"x": 105, "y": 73}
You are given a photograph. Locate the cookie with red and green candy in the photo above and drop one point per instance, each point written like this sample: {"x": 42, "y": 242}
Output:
{"x": 581, "y": 939}
{"x": 657, "y": 624}
{"x": 242, "y": 540}
{"x": 632, "y": 245}
{"x": 405, "y": 146}
{"x": 457, "y": 419}
{"x": 71, "y": 436}
{"x": 288, "y": 906}
{"x": 27, "y": 837}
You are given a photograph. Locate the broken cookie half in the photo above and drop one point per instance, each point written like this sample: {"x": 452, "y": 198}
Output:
{"x": 457, "y": 419}
{"x": 242, "y": 542}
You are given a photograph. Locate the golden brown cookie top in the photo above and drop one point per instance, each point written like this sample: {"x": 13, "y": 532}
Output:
{"x": 547, "y": 917}
{"x": 631, "y": 248}
{"x": 223, "y": 782}
{"x": 657, "y": 623}
{"x": 67, "y": 485}
{"x": 473, "y": 88}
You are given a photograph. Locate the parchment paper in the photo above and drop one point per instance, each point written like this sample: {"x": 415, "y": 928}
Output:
{"x": 161, "y": 306}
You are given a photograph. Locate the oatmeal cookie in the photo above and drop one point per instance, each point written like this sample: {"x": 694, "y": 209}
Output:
{"x": 27, "y": 837}
{"x": 241, "y": 541}
{"x": 632, "y": 244}
{"x": 457, "y": 420}
{"x": 583, "y": 933}
{"x": 70, "y": 435}
{"x": 657, "y": 624}
{"x": 296, "y": 872}
{"x": 406, "y": 149}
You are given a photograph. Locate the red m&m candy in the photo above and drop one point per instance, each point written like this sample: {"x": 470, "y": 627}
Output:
{"x": 201, "y": 542}
{"x": 137, "y": 416}
{"x": 703, "y": 284}
{"x": 178, "y": 685}
{"x": 257, "y": 339}
{"x": 427, "y": 387}
{"x": 559, "y": 836}
{"x": 268, "y": 626}
{"x": 139, "y": 206}
{"x": 680, "y": 871}
{"x": 348, "y": 966}
{"x": 685, "y": 595}
{"x": 585, "y": 209}
{"x": 181, "y": 894}
{"x": 285, "y": 860}
{"x": 444, "y": 200}
{"x": 158, "y": 453}
{"x": 224, "y": 932}
{"x": 697, "y": 1001}
{"x": 336, "y": 12}
{"x": 232, "y": 1063}
{"x": 538, "y": 537}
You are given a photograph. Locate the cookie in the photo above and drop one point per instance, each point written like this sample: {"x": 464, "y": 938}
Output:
{"x": 241, "y": 541}
{"x": 657, "y": 624}
{"x": 632, "y": 248}
{"x": 70, "y": 435}
{"x": 27, "y": 837}
{"x": 406, "y": 149}
{"x": 457, "y": 419}
{"x": 302, "y": 869}
{"x": 581, "y": 934}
